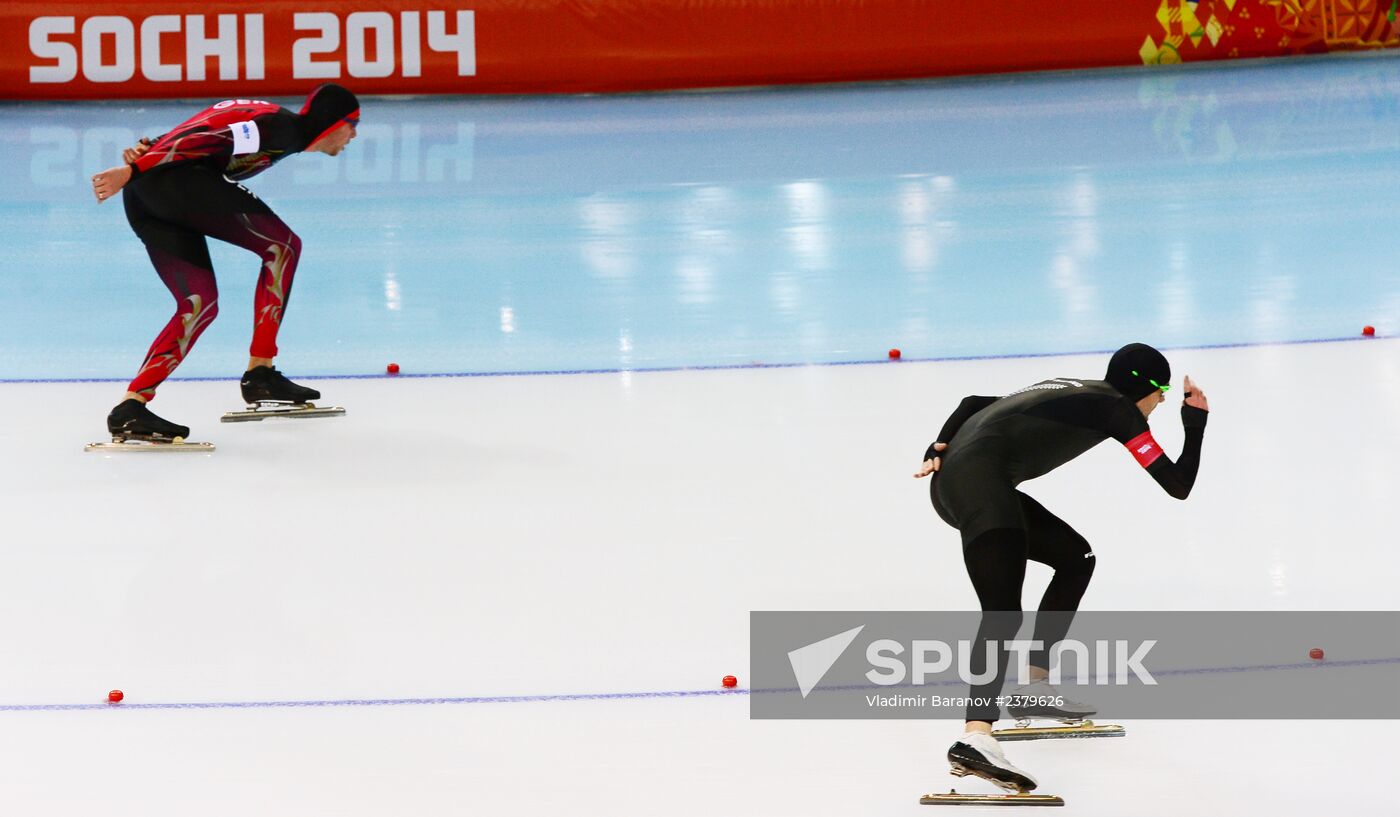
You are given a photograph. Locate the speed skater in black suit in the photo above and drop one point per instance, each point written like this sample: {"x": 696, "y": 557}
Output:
{"x": 990, "y": 445}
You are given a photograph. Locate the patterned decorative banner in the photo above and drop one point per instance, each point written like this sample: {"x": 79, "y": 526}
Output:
{"x": 1223, "y": 29}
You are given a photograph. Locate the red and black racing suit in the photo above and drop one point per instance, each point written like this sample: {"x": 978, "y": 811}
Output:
{"x": 186, "y": 187}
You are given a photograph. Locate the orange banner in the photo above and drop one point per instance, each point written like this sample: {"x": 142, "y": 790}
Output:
{"x": 92, "y": 50}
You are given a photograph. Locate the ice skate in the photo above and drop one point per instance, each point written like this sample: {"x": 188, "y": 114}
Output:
{"x": 981, "y": 756}
{"x": 269, "y": 393}
{"x": 953, "y": 798}
{"x": 135, "y": 428}
{"x": 1039, "y": 700}
{"x": 264, "y": 384}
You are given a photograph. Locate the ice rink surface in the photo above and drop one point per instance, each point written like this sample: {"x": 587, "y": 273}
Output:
{"x": 517, "y": 594}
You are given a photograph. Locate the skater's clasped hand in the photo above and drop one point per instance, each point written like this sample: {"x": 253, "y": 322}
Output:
{"x": 131, "y": 154}
{"x": 931, "y": 466}
{"x": 110, "y": 181}
{"x": 1194, "y": 396}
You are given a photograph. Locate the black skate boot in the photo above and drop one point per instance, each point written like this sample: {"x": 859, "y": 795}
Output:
{"x": 264, "y": 384}
{"x": 131, "y": 420}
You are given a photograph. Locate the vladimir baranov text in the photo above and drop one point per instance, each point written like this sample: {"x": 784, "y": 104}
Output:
{"x": 961, "y": 701}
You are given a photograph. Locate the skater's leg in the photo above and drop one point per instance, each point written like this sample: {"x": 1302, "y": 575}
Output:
{"x": 212, "y": 205}
{"x": 1053, "y": 542}
{"x": 995, "y": 549}
{"x": 280, "y": 249}
{"x": 181, "y": 259}
{"x": 996, "y": 563}
{"x": 196, "y": 306}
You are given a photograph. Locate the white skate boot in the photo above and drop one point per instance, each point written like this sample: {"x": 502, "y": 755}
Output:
{"x": 980, "y": 755}
{"x": 1039, "y": 699}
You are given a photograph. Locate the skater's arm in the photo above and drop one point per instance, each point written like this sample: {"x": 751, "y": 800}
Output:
{"x": 1176, "y": 478}
{"x": 189, "y": 145}
{"x": 969, "y": 406}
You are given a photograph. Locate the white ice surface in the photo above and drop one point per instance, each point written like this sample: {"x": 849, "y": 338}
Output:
{"x": 610, "y": 533}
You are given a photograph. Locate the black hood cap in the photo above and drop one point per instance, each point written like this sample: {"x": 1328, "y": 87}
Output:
{"x": 324, "y": 109}
{"x": 1133, "y": 367}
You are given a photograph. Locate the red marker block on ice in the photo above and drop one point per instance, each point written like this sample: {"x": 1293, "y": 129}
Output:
{"x": 1368, "y": 331}
{"x": 894, "y": 354}
{"x": 115, "y": 696}
{"x": 392, "y": 368}
{"x": 730, "y": 682}
{"x": 1315, "y": 654}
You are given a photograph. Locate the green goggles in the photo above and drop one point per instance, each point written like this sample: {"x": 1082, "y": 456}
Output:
{"x": 1155, "y": 384}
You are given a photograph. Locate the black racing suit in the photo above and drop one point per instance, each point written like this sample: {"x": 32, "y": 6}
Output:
{"x": 994, "y": 444}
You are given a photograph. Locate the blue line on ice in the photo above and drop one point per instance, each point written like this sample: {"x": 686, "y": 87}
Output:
{"x": 614, "y": 696}
{"x": 714, "y": 367}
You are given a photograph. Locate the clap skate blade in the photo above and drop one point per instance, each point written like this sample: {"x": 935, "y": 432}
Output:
{"x": 264, "y": 409}
{"x": 963, "y": 770}
{"x": 1067, "y": 729}
{"x": 151, "y": 444}
{"x": 952, "y": 798}
{"x": 1017, "y": 797}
